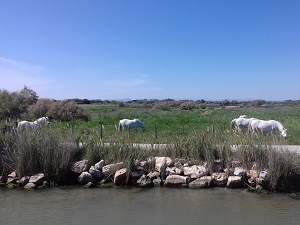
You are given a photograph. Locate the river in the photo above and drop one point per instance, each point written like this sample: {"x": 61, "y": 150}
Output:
{"x": 74, "y": 205}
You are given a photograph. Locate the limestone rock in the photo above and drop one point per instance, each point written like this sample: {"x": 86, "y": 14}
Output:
{"x": 29, "y": 186}
{"x": 109, "y": 170}
{"x": 239, "y": 171}
{"x": 79, "y": 166}
{"x": 177, "y": 181}
{"x": 23, "y": 181}
{"x": 99, "y": 165}
{"x": 97, "y": 174}
{"x": 37, "y": 179}
{"x": 195, "y": 171}
{"x": 220, "y": 179}
{"x": 234, "y": 182}
{"x": 145, "y": 181}
{"x": 120, "y": 177}
{"x": 162, "y": 162}
{"x": 85, "y": 177}
{"x": 202, "y": 182}
{"x": 136, "y": 175}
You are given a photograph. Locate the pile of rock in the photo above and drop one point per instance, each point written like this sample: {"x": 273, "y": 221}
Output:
{"x": 163, "y": 171}
{"x": 156, "y": 171}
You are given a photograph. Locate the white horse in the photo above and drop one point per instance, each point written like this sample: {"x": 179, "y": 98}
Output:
{"x": 241, "y": 122}
{"x": 37, "y": 124}
{"x": 131, "y": 124}
{"x": 267, "y": 126}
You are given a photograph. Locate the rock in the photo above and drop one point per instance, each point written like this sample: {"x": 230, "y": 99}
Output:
{"x": 170, "y": 171}
{"x": 84, "y": 178}
{"x": 253, "y": 174}
{"x": 120, "y": 177}
{"x": 12, "y": 180}
{"x": 220, "y": 179}
{"x": 195, "y": 171}
{"x": 153, "y": 175}
{"x": 239, "y": 171}
{"x": 97, "y": 174}
{"x": 99, "y": 165}
{"x": 136, "y": 175}
{"x": 109, "y": 170}
{"x": 12, "y": 175}
{"x": 37, "y": 179}
{"x": 202, "y": 182}
{"x": 23, "y": 181}
{"x": 157, "y": 182}
{"x": 29, "y": 186}
{"x": 263, "y": 174}
{"x": 79, "y": 166}
{"x": 177, "y": 181}
{"x": 234, "y": 182}
{"x": 145, "y": 181}
{"x": 161, "y": 162}
{"x": 89, "y": 185}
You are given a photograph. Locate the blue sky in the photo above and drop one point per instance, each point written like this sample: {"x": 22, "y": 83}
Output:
{"x": 193, "y": 49}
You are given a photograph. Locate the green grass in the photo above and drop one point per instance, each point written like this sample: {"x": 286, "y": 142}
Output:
{"x": 165, "y": 126}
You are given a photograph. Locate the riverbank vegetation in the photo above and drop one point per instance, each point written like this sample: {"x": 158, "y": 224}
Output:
{"x": 196, "y": 131}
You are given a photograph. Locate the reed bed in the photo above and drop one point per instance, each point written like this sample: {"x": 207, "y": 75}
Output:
{"x": 52, "y": 151}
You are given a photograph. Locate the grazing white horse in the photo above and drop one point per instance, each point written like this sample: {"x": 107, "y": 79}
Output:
{"x": 267, "y": 126}
{"x": 37, "y": 124}
{"x": 131, "y": 124}
{"x": 241, "y": 122}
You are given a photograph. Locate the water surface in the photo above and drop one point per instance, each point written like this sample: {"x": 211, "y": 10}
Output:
{"x": 146, "y": 206}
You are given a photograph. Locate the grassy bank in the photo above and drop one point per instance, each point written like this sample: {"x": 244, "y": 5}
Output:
{"x": 52, "y": 151}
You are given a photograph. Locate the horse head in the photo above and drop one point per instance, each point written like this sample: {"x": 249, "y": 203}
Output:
{"x": 284, "y": 133}
{"x": 47, "y": 120}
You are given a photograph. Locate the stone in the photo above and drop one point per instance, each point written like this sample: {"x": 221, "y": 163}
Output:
{"x": 153, "y": 175}
{"x": 157, "y": 182}
{"x": 89, "y": 185}
{"x": 195, "y": 171}
{"x": 99, "y": 165}
{"x": 37, "y": 179}
{"x": 234, "y": 182}
{"x": 202, "y": 182}
{"x": 239, "y": 171}
{"x": 23, "y": 181}
{"x": 84, "y": 178}
{"x": 136, "y": 175}
{"x": 109, "y": 170}
{"x": 177, "y": 181}
{"x": 97, "y": 174}
{"x": 12, "y": 180}
{"x": 145, "y": 181}
{"x": 79, "y": 166}
{"x": 12, "y": 175}
{"x": 161, "y": 162}
{"x": 29, "y": 186}
{"x": 219, "y": 179}
{"x": 120, "y": 177}
{"x": 263, "y": 174}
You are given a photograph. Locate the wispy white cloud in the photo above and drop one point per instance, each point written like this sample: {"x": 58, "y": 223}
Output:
{"x": 14, "y": 75}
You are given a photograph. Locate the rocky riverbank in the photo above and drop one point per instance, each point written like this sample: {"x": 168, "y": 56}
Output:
{"x": 156, "y": 171}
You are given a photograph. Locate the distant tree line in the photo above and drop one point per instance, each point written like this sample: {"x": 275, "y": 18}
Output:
{"x": 168, "y": 104}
